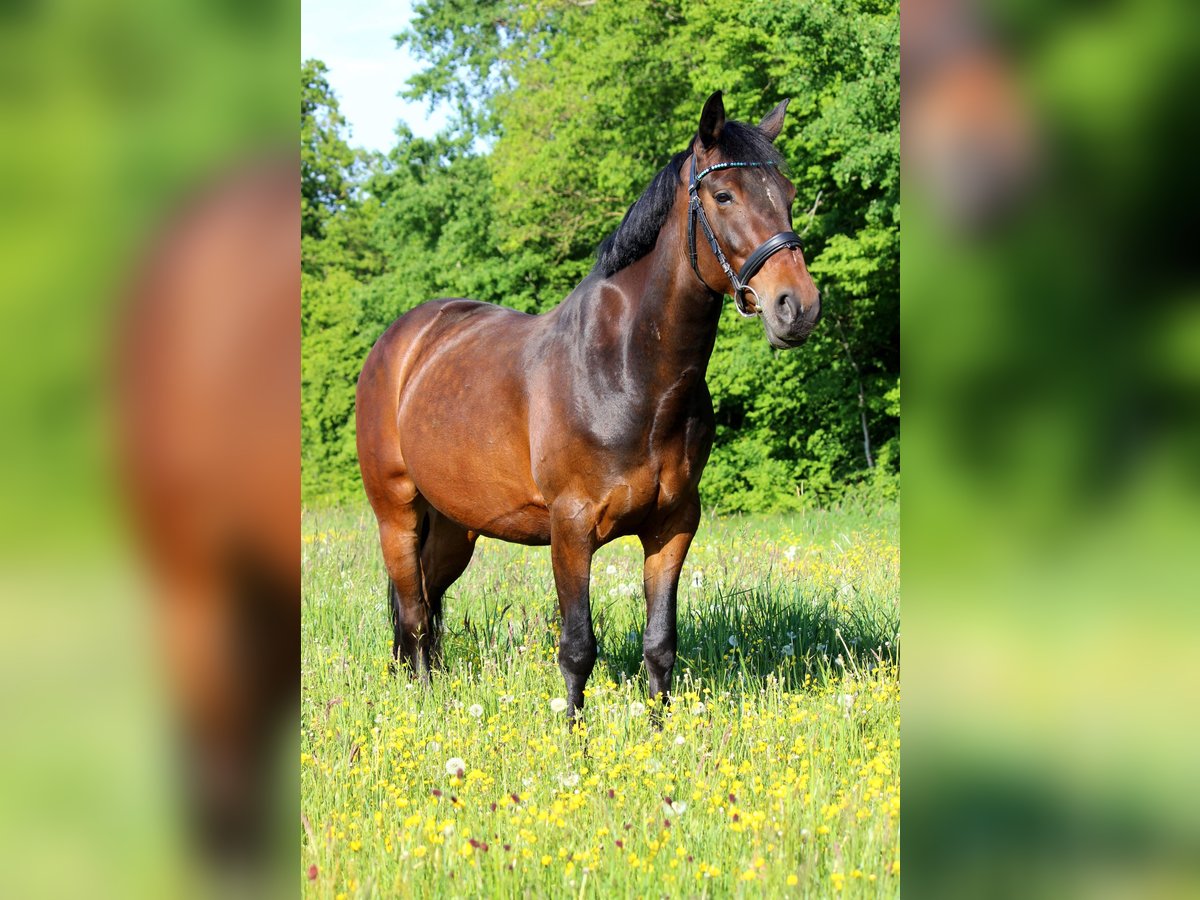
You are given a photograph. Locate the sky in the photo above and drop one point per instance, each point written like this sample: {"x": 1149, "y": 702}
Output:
{"x": 354, "y": 38}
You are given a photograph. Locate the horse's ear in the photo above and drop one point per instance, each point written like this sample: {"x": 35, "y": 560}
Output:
{"x": 772, "y": 122}
{"x": 712, "y": 120}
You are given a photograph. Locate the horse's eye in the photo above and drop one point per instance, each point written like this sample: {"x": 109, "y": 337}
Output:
{"x": 723, "y": 197}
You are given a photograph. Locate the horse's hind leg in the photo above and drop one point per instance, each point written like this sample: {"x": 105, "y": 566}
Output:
{"x": 400, "y": 539}
{"x": 445, "y": 553}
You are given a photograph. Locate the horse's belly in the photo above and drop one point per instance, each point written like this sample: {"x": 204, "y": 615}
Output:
{"x": 491, "y": 508}
{"x": 468, "y": 460}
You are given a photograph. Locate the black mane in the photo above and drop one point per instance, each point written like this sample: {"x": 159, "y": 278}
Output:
{"x": 638, "y": 231}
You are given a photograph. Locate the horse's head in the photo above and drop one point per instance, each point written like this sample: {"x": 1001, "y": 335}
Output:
{"x": 740, "y": 224}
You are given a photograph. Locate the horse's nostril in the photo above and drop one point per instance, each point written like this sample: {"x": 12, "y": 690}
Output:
{"x": 784, "y": 307}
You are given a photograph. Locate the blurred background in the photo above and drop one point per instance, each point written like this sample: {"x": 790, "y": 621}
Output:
{"x": 143, "y": 143}
{"x": 1051, "y": 336}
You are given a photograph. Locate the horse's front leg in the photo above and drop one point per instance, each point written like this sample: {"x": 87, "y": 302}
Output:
{"x": 665, "y": 540}
{"x": 571, "y": 548}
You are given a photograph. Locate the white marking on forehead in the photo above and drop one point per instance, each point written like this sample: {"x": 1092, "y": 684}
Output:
{"x": 770, "y": 182}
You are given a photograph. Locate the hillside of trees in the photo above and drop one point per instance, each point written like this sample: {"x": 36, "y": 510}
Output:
{"x": 563, "y": 112}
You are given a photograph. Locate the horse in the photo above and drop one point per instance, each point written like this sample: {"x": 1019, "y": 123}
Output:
{"x": 591, "y": 421}
{"x": 207, "y": 416}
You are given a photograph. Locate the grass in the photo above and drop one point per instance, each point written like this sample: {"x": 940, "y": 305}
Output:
{"x": 775, "y": 772}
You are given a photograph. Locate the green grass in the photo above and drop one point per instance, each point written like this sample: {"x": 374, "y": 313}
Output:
{"x": 776, "y": 771}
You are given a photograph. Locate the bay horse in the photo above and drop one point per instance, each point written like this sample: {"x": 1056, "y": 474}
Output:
{"x": 590, "y": 421}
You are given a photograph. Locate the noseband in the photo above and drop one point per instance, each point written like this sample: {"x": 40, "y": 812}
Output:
{"x": 772, "y": 245}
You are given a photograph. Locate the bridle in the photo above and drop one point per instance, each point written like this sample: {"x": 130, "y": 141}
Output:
{"x": 772, "y": 245}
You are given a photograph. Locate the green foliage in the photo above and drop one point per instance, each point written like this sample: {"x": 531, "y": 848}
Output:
{"x": 564, "y": 113}
{"x": 325, "y": 158}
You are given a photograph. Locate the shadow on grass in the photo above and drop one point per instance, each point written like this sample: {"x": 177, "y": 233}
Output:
{"x": 726, "y": 639}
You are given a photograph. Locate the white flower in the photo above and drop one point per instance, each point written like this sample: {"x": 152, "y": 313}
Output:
{"x": 838, "y": 660}
{"x": 636, "y": 709}
{"x": 697, "y": 709}
{"x": 433, "y": 746}
{"x": 558, "y": 704}
{"x": 697, "y": 578}
{"x": 790, "y": 553}
{"x": 454, "y": 765}
{"x": 788, "y": 650}
{"x": 475, "y": 710}
{"x": 611, "y": 570}
{"x": 846, "y": 701}
{"x": 733, "y": 641}
{"x": 680, "y": 740}
{"x": 569, "y": 780}
{"x": 506, "y": 698}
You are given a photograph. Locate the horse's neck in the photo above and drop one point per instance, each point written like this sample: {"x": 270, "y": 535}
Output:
{"x": 678, "y": 313}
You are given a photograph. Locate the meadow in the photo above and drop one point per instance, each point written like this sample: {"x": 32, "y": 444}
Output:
{"x": 775, "y": 771}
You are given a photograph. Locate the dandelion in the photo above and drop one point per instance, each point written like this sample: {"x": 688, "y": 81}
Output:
{"x": 680, "y": 740}
{"x": 698, "y": 578}
{"x": 454, "y": 765}
{"x": 698, "y": 709}
{"x": 611, "y": 570}
{"x": 733, "y": 641}
{"x": 475, "y": 710}
{"x": 792, "y": 880}
{"x": 788, "y": 650}
{"x": 569, "y": 780}
{"x": 420, "y": 851}
{"x": 636, "y": 708}
{"x": 558, "y": 704}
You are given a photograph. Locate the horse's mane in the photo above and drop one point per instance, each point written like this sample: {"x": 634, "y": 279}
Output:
{"x": 638, "y": 232}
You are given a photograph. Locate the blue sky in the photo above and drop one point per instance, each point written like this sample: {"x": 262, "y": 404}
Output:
{"x": 354, "y": 38}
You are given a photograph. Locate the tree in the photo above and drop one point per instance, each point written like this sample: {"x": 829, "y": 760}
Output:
{"x": 325, "y": 157}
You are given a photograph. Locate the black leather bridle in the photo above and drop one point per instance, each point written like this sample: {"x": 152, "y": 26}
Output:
{"x": 772, "y": 245}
